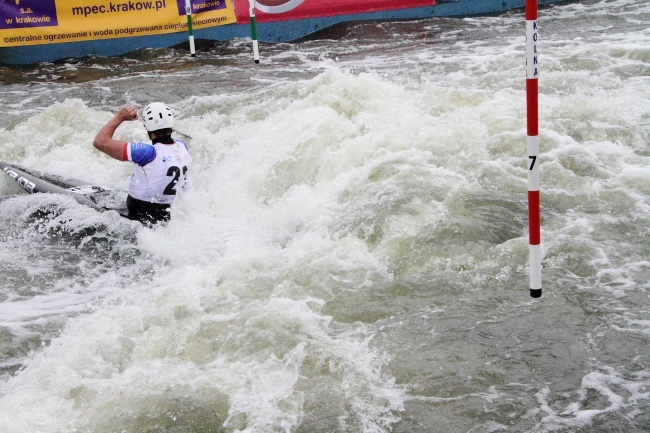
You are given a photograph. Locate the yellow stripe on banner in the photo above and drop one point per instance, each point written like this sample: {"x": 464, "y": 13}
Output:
{"x": 34, "y": 22}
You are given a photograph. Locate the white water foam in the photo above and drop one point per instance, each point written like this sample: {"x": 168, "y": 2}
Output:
{"x": 325, "y": 215}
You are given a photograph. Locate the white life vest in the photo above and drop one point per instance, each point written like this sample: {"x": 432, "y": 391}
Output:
{"x": 159, "y": 180}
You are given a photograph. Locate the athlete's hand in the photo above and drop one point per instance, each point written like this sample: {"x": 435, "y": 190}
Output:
{"x": 127, "y": 113}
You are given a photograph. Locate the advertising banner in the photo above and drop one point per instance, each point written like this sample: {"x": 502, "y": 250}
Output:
{"x": 280, "y": 10}
{"x": 33, "y": 22}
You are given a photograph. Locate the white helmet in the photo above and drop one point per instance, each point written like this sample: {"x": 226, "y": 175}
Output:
{"x": 157, "y": 116}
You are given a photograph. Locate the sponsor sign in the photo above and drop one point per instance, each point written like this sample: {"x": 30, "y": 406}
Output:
{"x": 280, "y": 10}
{"x": 32, "y": 22}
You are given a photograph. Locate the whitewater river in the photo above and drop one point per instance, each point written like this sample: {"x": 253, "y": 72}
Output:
{"x": 351, "y": 254}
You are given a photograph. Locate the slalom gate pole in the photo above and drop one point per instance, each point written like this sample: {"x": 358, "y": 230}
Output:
{"x": 190, "y": 30}
{"x": 532, "y": 121}
{"x": 256, "y": 50}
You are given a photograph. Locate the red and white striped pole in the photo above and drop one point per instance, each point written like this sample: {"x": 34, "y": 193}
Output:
{"x": 532, "y": 115}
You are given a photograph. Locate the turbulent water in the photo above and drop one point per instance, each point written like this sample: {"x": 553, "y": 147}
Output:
{"x": 351, "y": 254}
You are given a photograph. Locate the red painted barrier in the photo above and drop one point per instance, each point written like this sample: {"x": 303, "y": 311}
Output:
{"x": 280, "y": 10}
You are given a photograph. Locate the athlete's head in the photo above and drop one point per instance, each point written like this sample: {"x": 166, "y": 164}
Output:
{"x": 156, "y": 117}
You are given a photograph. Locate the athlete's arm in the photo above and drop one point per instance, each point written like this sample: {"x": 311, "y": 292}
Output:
{"x": 104, "y": 140}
